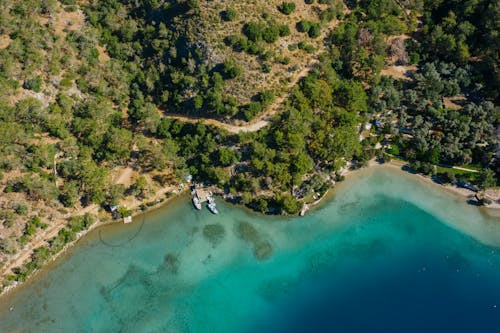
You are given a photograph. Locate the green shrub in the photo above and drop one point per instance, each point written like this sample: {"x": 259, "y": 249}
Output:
{"x": 34, "y": 84}
{"x": 311, "y": 28}
{"x": 303, "y": 26}
{"x": 284, "y": 30}
{"x": 286, "y": 7}
{"x": 20, "y": 208}
{"x": 314, "y": 31}
{"x": 253, "y": 31}
{"x": 251, "y": 110}
{"x": 229, "y": 14}
{"x": 270, "y": 34}
{"x": 231, "y": 70}
{"x": 266, "y": 97}
{"x": 306, "y": 47}
{"x": 7, "y": 218}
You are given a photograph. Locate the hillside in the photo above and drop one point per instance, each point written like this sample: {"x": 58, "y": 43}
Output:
{"x": 232, "y": 59}
{"x": 277, "y": 63}
{"x": 115, "y": 103}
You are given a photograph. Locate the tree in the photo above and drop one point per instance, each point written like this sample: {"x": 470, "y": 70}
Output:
{"x": 227, "y": 157}
{"x": 69, "y": 194}
{"x": 352, "y": 96}
{"x": 140, "y": 188}
{"x": 289, "y": 204}
{"x": 486, "y": 179}
{"x": 398, "y": 50}
{"x": 118, "y": 144}
{"x": 115, "y": 194}
{"x": 93, "y": 181}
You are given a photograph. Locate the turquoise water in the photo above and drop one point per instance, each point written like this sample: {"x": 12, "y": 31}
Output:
{"x": 388, "y": 253}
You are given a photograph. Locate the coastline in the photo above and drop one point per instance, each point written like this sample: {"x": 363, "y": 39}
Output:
{"x": 136, "y": 212}
{"x": 492, "y": 210}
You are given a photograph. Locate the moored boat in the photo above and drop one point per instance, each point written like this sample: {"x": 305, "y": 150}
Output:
{"x": 196, "y": 203}
{"x": 210, "y": 199}
{"x": 212, "y": 208}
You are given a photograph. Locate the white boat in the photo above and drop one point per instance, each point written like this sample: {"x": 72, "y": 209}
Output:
{"x": 213, "y": 208}
{"x": 211, "y": 199}
{"x": 196, "y": 203}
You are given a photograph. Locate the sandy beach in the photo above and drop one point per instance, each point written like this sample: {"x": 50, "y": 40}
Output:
{"x": 494, "y": 194}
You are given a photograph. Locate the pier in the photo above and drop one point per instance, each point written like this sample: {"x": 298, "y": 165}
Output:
{"x": 202, "y": 194}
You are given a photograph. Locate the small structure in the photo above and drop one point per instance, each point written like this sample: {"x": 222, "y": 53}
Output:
{"x": 127, "y": 219}
{"x": 305, "y": 208}
{"x": 202, "y": 194}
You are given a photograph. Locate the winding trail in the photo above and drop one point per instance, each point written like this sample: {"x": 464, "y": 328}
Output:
{"x": 258, "y": 123}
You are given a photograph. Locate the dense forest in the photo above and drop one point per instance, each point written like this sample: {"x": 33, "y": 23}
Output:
{"x": 79, "y": 100}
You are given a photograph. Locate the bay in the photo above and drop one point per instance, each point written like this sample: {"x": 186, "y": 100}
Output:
{"x": 388, "y": 253}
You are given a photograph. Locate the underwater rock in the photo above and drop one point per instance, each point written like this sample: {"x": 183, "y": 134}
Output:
{"x": 214, "y": 233}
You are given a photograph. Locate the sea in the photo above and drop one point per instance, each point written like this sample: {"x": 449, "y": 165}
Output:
{"x": 387, "y": 252}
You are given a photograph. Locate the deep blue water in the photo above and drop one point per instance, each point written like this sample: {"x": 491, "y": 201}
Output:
{"x": 387, "y": 254}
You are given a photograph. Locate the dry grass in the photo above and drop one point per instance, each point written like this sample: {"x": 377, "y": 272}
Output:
{"x": 64, "y": 21}
{"x": 4, "y": 41}
{"x": 455, "y": 102}
{"x": 103, "y": 55}
{"x": 399, "y": 72}
{"x": 254, "y": 80}
{"x": 392, "y": 69}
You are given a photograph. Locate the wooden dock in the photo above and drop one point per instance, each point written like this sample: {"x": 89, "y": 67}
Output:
{"x": 202, "y": 194}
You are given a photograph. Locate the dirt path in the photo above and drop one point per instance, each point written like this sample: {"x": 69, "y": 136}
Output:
{"x": 41, "y": 239}
{"x": 465, "y": 169}
{"x": 261, "y": 121}
{"x": 265, "y": 118}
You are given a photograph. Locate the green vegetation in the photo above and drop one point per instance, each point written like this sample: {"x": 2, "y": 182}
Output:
{"x": 311, "y": 28}
{"x": 286, "y": 7}
{"x": 78, "y": 102}
{"x": 229, "y": 14}
{"x": 456, "y": 63}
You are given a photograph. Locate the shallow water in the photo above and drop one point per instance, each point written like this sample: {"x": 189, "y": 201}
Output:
{"x": 388, "y": 253}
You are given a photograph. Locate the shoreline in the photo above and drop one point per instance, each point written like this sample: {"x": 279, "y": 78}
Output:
{"x": 492, "y": 210}
{"x": 136, "y": 212}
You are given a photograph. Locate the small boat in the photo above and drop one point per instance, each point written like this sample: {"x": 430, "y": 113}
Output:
{"x": 196, "y": 203}
{"x": 210, "y": 199}
{"x": 213, "y": 208}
